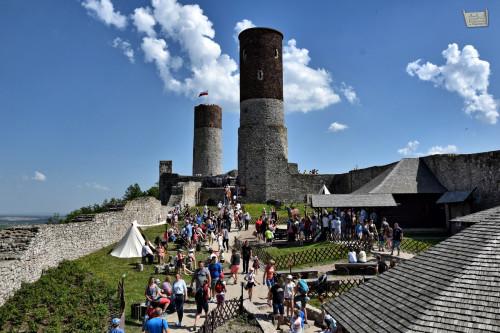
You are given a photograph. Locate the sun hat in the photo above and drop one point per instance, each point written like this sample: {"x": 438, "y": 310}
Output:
{"x": 115, "y": 321}
{"x": 289, "y": 277}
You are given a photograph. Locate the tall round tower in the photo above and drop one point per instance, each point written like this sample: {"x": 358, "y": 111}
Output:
{"x": 207, "y": 146}
{"x": 262, "y": 136}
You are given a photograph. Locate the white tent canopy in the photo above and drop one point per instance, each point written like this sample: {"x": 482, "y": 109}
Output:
{"x": 324, "y": 190}
{"x": 130, "y": 246}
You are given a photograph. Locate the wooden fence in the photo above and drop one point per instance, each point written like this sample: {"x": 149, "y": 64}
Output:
{"x": 333, "y": 251}
{"x": 218, "y": 316}
{"x": 410, "y": 245}
{"x": 335, "y": 288}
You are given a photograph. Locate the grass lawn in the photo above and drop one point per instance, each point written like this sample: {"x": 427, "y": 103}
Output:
{"x": 110, "y": 269}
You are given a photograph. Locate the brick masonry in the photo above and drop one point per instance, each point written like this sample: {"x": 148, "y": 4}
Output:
{"x": 30, "y": 251}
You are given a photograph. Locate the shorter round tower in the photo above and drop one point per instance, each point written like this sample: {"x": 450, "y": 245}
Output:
{"x": 207, "y": 145}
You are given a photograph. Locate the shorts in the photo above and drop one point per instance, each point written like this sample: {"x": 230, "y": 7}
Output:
{"x": 235, "y": 269}
{"x": 278, "y": 308}
{"x": 200, "y": 307}
{"x": 270, "y": 283}
{"x": 396, "y": 244}
{"x": 302, "y": 299}
{"x": 249, "y": 285}
{"x": 214, "y": 281}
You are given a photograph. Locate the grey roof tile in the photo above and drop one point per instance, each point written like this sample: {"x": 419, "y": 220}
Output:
{"x": 452, "y": 287}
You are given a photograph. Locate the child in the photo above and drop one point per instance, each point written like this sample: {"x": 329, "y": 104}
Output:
{"x": 256, "y": 265}
{"x": 220, "y": 290}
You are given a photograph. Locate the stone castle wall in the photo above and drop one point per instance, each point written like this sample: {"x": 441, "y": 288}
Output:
{"x": 207, "y": 143}
{"x": 47, "y": 245}
{"x": 467, "y": 171}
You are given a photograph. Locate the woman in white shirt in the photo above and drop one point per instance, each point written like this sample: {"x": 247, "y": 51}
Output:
{"x": 250, "y": 278}
{"x": 289, "y": 294}
{"x": 180, "y": 296}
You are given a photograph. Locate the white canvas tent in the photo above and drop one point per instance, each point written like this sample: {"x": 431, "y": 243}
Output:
{"x": 130, "y": 246}
{"x": 324, "y": 190}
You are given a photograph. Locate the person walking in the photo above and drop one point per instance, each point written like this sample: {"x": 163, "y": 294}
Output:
{"x": 225, "y": 238}
{"x": 215, "y": 269}
{"x": 246, "y": 253}
{"x": 268, "y": 277}
{"x": 397, "y": 238}
{"x": 289, "y": 295}
{"x": 276, "y": 295}
{"x": 247, "y": 219}
{"x": 235, "y": 265}
{"x": 201, "y": 298}
{"x": 180, "y": 296}
{"x": 251, "y": 282}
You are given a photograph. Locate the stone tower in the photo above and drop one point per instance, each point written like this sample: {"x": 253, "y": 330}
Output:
{"x": 207, "y": 146}
{"x": 262, "y": 136}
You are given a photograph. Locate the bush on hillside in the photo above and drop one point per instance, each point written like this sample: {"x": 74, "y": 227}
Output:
{"x": 65, "y": 299}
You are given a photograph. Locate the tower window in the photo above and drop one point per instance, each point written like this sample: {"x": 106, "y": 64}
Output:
{"x": 244, "y": 54}
{"x": 260, "y": 75}
{"x": 276, "y": 54}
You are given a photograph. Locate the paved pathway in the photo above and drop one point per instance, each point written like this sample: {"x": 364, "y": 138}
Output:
{"x": 234, "y": 291}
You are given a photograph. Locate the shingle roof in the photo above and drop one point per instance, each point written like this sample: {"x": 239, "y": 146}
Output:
{"x": 408, "y": 176}
{"x": 492, "y": 214}
{"x": 352, "y": 200}
{"x": 452, "y": 287}
{"x": 454, "y": 197}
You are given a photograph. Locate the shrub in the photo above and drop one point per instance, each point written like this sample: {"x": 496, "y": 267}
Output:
{"x": 65, "y": 299}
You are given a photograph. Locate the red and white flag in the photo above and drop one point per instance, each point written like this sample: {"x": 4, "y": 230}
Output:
{"x": 203, "y": 93}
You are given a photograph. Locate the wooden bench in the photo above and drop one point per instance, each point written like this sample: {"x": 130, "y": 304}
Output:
{"x": 366, "y": 268}
{"x": 299, "y": 273}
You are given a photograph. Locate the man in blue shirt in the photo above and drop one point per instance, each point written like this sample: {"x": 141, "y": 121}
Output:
{"x": 215, "y": 269}
{"x": 157, "y": 324}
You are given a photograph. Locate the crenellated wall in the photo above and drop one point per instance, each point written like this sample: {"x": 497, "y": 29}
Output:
{"x": 29, "y": 252}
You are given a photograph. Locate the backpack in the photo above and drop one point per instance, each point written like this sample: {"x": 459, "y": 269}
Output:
{"x": 302, "y": 286}
{"x": 219, "y": 286}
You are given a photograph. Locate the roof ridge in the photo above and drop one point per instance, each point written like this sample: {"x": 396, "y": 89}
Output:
{"x": 397, "y": 166}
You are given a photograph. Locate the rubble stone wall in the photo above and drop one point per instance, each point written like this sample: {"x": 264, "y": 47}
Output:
{"x": 28, "y": 253}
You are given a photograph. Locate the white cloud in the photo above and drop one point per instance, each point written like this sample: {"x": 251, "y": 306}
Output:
{"x": 96, "y": 186}
{"x": 465, "y": 74}
{"x": 410, "y": 148}
{"x": 349, "y": 93}
{"x": 184, "y": 38}
{"x": 144, "y": 21}
{"x": 449, "y": 149}
{"x": 305, "y": 89}
{"x": 39, "y": 177}
{"x": 104, "y": 11}
{"x": 126, "y": 48}
{"x": 240, "y": 26}
{"x": 337, "y": 127}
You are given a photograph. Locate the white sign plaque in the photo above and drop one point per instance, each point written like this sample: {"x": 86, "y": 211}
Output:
{"x": 476, "y": 19}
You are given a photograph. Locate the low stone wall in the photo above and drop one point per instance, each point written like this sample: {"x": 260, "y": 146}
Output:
{"x": 53, "y": 243}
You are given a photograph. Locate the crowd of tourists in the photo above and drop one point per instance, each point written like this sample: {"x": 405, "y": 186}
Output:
{"x": 287, "y": 296}
{"x": 334, "y": 225}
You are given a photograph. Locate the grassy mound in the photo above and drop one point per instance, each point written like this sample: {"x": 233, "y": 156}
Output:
{"x": 65, "y": 299}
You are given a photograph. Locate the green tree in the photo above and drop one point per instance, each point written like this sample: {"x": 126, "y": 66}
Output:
{"x": 154, "y": 191}
{"x": 132, "y": 192}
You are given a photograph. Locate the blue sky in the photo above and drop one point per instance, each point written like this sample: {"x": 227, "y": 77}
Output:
{"x": 80, "y": 121}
